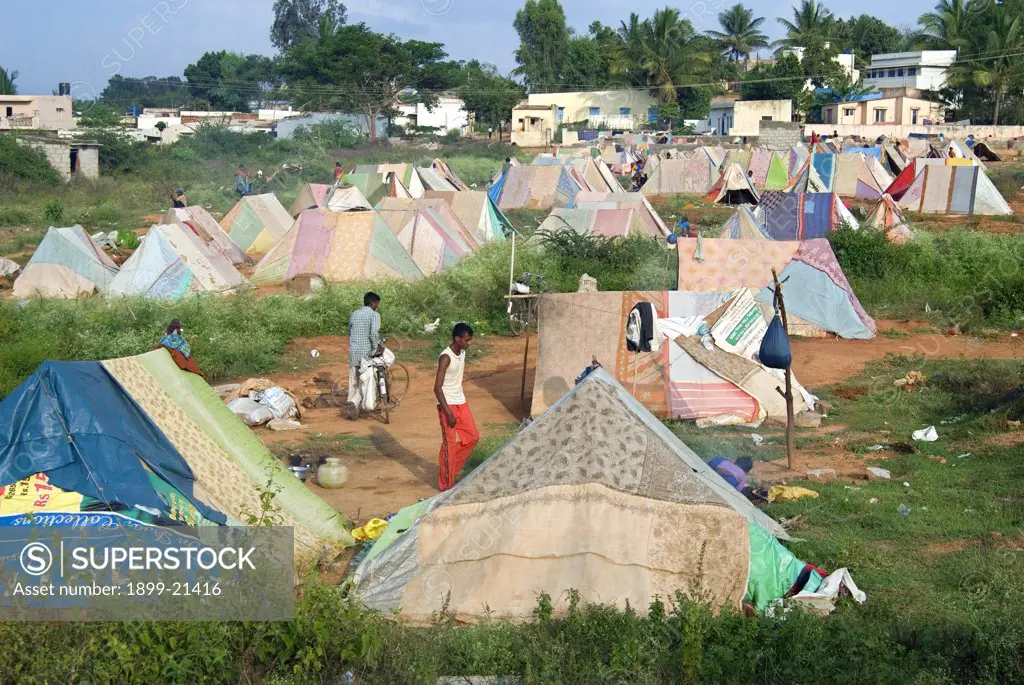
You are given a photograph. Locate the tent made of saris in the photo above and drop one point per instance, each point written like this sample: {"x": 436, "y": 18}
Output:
{"x": 208, "y": 230}
{"x": 801, "y": 216}
{"x": 872, "y": 151}
{"x": 690, "y": 171}
{"x": 887, "y": 217}
{"x": 607, "y": 223}
{"x": 643, "y": 210}
{"x": 428, "y": 231}
{"x": 173, "y": 262}
{"x": 945, "y": 189}
{"x": 798, "y": 155}
{"x": 535, "y": 187}
{"x": 743, "y": 225}
{"x": 311, "y": 196}
{"x": 257, "y": 223}
{"x": 952, "y": 149}
{"x": 141, "y": 437}
{"x": 560, "y": 506}
{"x": 818, "y": 292}
{"x": 901, "y": 184}
{"x": 346, "y": 198}
{"x": 850, "y": 175}
{"x": 734, "y": 188}
{"x": 477, "y": 213}
{"x": 892, "y": 159}
{"x": 375, "y": 186}
{"x": 66, "y": 264}
{"x": 440, "y": 177}
{"x": 348, "y": 246}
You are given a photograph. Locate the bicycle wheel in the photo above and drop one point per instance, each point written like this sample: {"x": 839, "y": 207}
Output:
{"x": 398, "y": 383}
{"x": 519, "y": 316}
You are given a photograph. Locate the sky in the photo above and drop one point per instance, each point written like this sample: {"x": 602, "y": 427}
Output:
{"x": 85, "y": 43}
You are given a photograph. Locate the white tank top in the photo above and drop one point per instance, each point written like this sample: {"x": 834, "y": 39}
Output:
{"x": 452, "y": 387}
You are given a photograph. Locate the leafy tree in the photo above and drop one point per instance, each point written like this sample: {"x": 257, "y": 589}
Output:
{"x": 741, "y": 33}
{"x": 587, "y": 65}
{"x": 230, "y": 81}
{"x": 101, "y": 115}
{"x": 1000, "y": 42}
{"x": 7, "y": 82}
{"x": 812, "y": 23}
{"x": 949, "y": 25}
{"x": 296, "y": 20}
{"x": 489, "y": 95}
{"x": 543, "y": 44}
{"x": 819, "y": 62}
{"x": 865, "y": 36}
{"x": 151, "y": 91}
{"x": 349, "y": 67}
{"x": 783, "y": 80}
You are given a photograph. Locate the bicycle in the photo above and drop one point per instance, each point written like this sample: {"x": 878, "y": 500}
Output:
{"x": 392, "y": 386}
{"x": 522, "y": 302}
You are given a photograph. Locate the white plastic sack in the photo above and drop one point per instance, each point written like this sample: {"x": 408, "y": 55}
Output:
{"x": 279, "y": 402}
{"x": 8, "y": 267}
{"x": 823, "y": 599}
{"x": 928, "y": 434}
{"x": 368, "y": 385}
{"x": 388, "y": 357}
{"x": 250, "y": 411}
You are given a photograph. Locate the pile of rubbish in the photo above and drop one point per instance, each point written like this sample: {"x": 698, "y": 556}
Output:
{"x": 259, "y": 402}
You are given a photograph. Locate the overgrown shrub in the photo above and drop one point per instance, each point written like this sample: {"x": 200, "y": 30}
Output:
{"x": 24, "y": 163}
{"x": 119, "y": 153}
{"x": 329, "y": 134}
{"x": 53, "y": 212}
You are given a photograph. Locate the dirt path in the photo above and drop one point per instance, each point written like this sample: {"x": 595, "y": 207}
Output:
{"x": 392, "y": 466}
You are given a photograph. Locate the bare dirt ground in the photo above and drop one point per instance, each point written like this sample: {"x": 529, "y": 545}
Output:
{"x": 392, "y": 466}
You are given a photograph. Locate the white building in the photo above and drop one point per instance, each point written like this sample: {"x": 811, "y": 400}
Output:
{"x": 846, "y": 60}
{"x": 921, "y": 70}
{"x": 449, "y": 113}
{"x": 743, "y": 117}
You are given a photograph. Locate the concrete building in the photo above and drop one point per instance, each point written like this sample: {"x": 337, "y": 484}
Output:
{"x": 449, "y": 113}
{"x": 36, "y": 112}
{"x": 620, "y": 110}
{"x": 534, "y": 125}
{"x": 882, "y": 111}
{"x": 69, "y": 157}
{"x": 846, "y": 60}
{"x": 921, "y": 70}
{"x": 743, "y": 117}
{"x": 285, "y": 128}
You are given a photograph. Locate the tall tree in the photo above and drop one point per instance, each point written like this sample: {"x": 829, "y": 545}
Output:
{"x": 231, "y": 81}
{"x": 997, "y": 65}
{"x": 783, "y": 80}
{"x": 7, "y": 82}
{"x": 350, "y": 68}
{"x": 865, "y": 36}
{"x": 812, "y": 22}
{"x": 741, "y": 33}
{"x": 150, "y": 91}
{"x": 489, "y": 95}
{"x": 543, "y": 44}
{"x": 296, "y": 20}
{"x": 949, "y": 25}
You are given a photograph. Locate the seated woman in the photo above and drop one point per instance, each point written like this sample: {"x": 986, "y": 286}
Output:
{"x": 179, "y": 347}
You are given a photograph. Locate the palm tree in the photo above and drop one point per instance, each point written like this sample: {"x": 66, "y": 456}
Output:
{"x": 7, "y": 82}
{"x": 1000, "y": 49}
{"x": 740, "y": 34}
{"x": 673, "y": 54}
{"x": 948, "y": 25}
{"x": 812, "y": 23}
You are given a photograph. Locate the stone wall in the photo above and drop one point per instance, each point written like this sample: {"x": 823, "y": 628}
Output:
{"x": 57, "y": 153}
{"x": 779, "y": 135}
{"x": 89, "y": 162}
{"x": 871, "y": 132}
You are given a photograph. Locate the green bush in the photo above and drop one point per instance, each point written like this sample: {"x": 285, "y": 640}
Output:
{"x": 53, "y": 212}
{"x": 127, "y": 239}
{"x": 328, "y": 135}
{"x": 119, "y": 153}
{"x": 20, "y": 162}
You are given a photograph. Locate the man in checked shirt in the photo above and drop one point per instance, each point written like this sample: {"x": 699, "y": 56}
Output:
{"x": 363, "y": 341}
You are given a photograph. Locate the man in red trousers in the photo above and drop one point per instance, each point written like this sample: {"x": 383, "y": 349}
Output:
{"x": 459, "y": 434}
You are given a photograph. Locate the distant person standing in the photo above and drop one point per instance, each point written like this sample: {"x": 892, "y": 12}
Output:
{"x": 459, "y": 434}
{"x": 242, "y": 183}
{"x": 339, "y": 173}
{"x": 506, "y": 166}
{"x": 363, "y": 342}
{"x": 178, "y": 199}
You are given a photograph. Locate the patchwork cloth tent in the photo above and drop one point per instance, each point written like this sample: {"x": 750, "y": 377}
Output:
{"x": 887, "y": 217}
{"x": 257, "y": 223}
{"x": 607, "y": 223}
{"x": 209, "y": 231}
{"x": 348, "y": 246}
{"x": 643, "y": 210}
{"x": 800, "y": 216}
{"x": 440, "y": 177}
{"x": 429, "y": 231}
{"x": 734, "y": 188}
{"x": 818, "y": 294}
{"x": 849, "y": 174}
{"x": 476, "y": 212}
{"x": 778, "y": 175}
{"x": 173, "y": 262}
{"x": 560, "y": 506}
{"x": 138, "y": 435}
{"x": 892, "y": 159}
{"x": 311, "y": 196}
{"x": 944, "y": 189}
{"x": 743, "y": 225}
{"x": 376, "y": 186}
{"x": 67, "y": 264}
{"x": 346, "y": 198}
{"x": 798, "y": 155}
{"x": 687, "y": 172}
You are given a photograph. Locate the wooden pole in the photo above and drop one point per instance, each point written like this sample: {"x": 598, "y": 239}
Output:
{"x": 788, "y": 395}
{"x": 522, "y": 389}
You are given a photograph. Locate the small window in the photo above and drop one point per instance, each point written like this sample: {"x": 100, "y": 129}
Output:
{"x": 911, "y": 71}
{"x": 849, "y": 111}
{"x": 561, "y": 113}
{"x": 625, "y": 111}
{"x": 899, "y": 72}
{"x": 652, "y": 115}
{"x": 766, "y": 118}
{"x": 595, "y": 111}
{"x": 913, "y": 115}
{"x": 892, "y": 73}
{"x": 10, "y": 111}
{"x": 880, "y": 116}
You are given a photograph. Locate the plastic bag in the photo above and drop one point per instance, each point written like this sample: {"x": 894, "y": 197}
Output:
{"x": 775, "y": 352}
{"x": 368, "y": 385}
{"x": 250, "y": 411}
{"x": 279, "y": 402}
